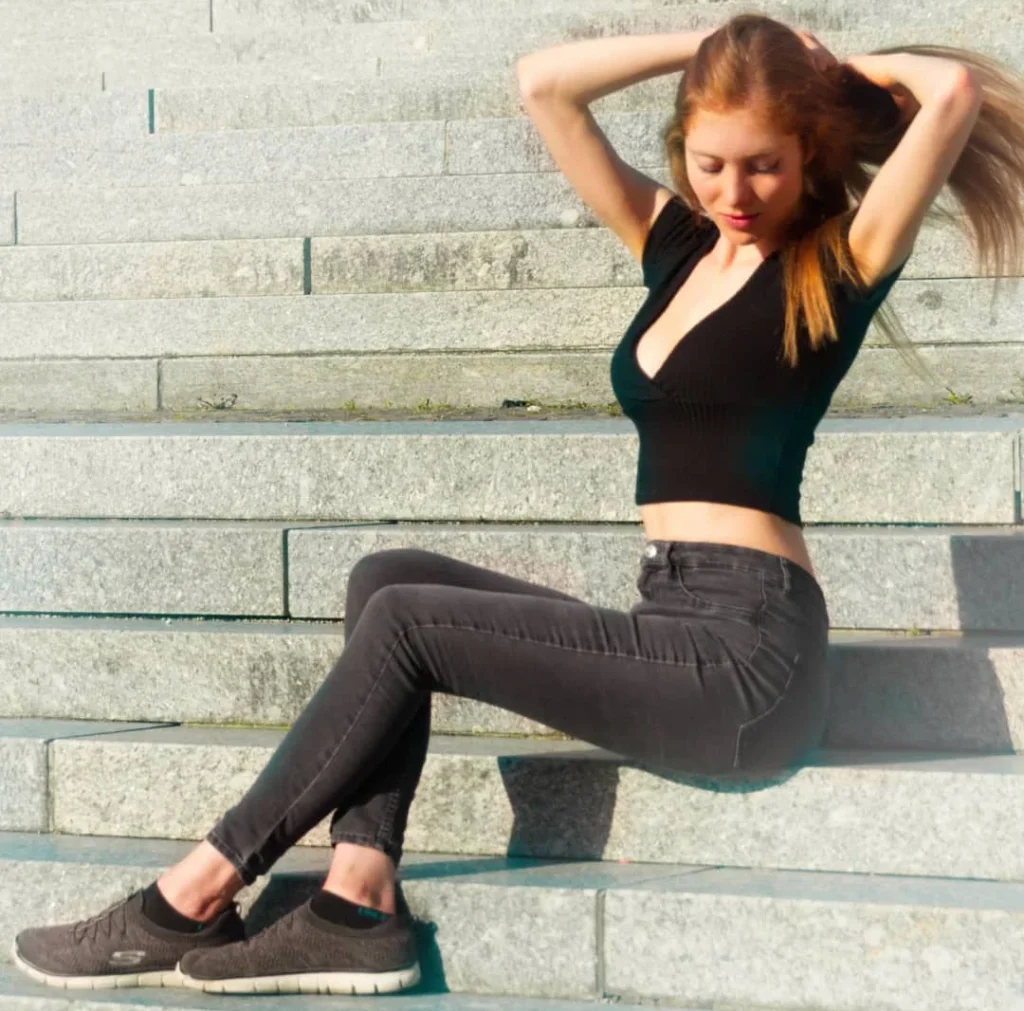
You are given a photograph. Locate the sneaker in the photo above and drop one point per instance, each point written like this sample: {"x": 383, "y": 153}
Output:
{"x": 118, "y": 947}
{"x": 304, "y": 953}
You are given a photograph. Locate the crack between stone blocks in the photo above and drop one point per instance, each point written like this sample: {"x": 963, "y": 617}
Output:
{"x": 599, "y": 966}
{"x": 286, "y": 600}
{"x": 1018, "y": 448}
{"x": 48, "y": 784}
{"x": 15, "y": 225}
{"x": 159, "y": 384}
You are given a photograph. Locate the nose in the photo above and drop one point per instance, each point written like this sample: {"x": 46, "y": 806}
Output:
{"x": 735, "y": 190}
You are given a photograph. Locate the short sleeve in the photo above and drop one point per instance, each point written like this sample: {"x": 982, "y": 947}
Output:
{"x": 675, "y": 235}
{"x": 867, "y": 301}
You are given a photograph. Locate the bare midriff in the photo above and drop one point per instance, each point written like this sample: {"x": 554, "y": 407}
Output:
{"x": 725, "y": 524}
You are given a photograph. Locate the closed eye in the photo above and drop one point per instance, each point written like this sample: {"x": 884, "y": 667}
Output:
{"x": 762, "y": 170}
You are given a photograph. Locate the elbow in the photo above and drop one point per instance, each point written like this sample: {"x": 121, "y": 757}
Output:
{"x": 532, "y": 83}
{"x": 965, "y": 87}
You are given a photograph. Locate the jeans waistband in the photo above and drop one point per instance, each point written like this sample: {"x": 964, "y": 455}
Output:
{"x": 777, "y": 570}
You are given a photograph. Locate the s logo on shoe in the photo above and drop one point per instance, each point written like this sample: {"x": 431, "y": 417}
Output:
{"x": 127, "y": 957}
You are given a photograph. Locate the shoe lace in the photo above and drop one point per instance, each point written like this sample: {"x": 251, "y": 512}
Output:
{"x": 104, "y": 919}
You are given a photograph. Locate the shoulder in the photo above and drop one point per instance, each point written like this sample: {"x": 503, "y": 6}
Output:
{"x": 676, "y": 232}
{"x": 863, "y": 293}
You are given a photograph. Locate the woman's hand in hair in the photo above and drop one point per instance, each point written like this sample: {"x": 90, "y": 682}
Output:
{"x": 876, "y": 71}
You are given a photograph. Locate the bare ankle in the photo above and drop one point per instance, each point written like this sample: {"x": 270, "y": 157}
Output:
{"x": 363, "y": 875}
{"x": 201, "y": 885}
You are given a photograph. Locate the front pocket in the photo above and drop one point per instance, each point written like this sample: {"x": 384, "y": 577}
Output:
{"x": 729, "y": 591}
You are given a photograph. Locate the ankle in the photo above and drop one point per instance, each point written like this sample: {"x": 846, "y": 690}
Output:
{"x": 373, "y": 895}
{"x": 201, "y": 885}
{"x": 189, "y": 903}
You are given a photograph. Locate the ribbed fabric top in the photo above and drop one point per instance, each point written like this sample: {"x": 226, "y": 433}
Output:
{"x": 725, "y": 419}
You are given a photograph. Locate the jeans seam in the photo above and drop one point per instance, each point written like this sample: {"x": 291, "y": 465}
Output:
{"x": 767, "y": 712}
{"x": 355, "y": 719}
{"x": 387, "y": 821}
{"x": 226, "y": 850}
{"x": 405, "y": 633}
{"x": 574, "y": 649}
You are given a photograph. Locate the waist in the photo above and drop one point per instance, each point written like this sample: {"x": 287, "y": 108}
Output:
{"x": 719, "y": 523}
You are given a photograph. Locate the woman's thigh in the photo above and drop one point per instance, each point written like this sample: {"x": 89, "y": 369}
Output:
{"x": 672, "y": 688}
{"x": 416, "y": 565}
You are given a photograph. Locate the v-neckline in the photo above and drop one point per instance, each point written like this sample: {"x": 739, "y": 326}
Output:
{"x": 713, "y": 234}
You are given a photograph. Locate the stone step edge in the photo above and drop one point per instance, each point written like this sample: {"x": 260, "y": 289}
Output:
{"x": 912, "y": 424}
{"x": 500, "y": 746}
{"x": 18, "y": 993}
{"x": 172, "y": 624}
{"x": 598, "y": 875}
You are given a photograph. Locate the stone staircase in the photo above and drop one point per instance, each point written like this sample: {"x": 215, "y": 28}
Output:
{"x": 271, "y": 271}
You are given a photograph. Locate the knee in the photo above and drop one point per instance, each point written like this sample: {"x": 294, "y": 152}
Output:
{"x": 384, "y": 568}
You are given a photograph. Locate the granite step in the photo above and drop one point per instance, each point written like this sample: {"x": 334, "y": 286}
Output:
{"x": 684, "y": 936}
{"x": 889, "y": 690}
{"x": 870, "y": 811}
{"x": 18, "y": 993}
{"x": 249, "y": 15}
{"x": 221, "y": 325}
{"x": 919, "y": 469}
{"x": 433, "y": 49}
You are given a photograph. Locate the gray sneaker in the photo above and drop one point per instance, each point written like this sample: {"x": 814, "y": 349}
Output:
{"x": 303, "y": 953}
{"x": 117, "y": 947}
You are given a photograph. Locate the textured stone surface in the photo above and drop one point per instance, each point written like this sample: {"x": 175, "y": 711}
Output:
{"x": 224, "y": 672}
{"x": 153, "y": 62}
{"x": 668, "y": 941}
{"x": 478, "y": 380}
{"x": 960, "y": 579}
{"x": 879, "y": 378}
{"x": 879, "y": 812}
{"x": 51, "y": 85}
{"x": 29, "y": 20}
{"x": 58, "y": 386}
{"x": 444, "y": 321}
{"x": 191, "y": 159}
{"x": 415, "y": 204}
{"x": 155, "y": 568}
{"x": 237, "y": 15}
{"x": 932, "y": 692}
{"x": 415, "y": 238}
{"x": 23, "y": 788}
{"x": 150, "y": 270}
{"x": 24, "y": 785}
{"x": 917, "y": 469}
{"x": 116, "y": 117}
{"x": 328, "y": 103}
{"x": 7, "y": 236}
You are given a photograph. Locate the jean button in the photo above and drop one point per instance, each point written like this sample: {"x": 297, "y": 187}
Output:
{"x": 650, "y": 551}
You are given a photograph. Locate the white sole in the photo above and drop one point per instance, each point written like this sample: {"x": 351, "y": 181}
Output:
{"x": 170, "y": 977}
{"x": 312, "y": 982}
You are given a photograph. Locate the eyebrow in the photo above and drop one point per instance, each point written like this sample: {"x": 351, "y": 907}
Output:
{"x": 758, "y": 154}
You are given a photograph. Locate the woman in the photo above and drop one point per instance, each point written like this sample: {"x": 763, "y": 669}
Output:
{"x": 749, "y": 324}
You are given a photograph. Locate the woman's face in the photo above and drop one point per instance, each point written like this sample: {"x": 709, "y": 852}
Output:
{"x": 737, "y": 164}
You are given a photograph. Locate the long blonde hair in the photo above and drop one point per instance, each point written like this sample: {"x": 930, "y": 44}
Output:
{"x": 851, "y": 123}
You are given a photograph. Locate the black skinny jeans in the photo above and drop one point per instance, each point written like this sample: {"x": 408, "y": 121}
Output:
{"x": 719, "y": 668}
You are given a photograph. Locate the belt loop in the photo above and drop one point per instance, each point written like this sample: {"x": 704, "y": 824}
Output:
{"x": 784, "y": 565}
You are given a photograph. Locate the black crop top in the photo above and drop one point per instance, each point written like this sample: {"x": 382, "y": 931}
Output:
{"x": 725, "y": 418}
